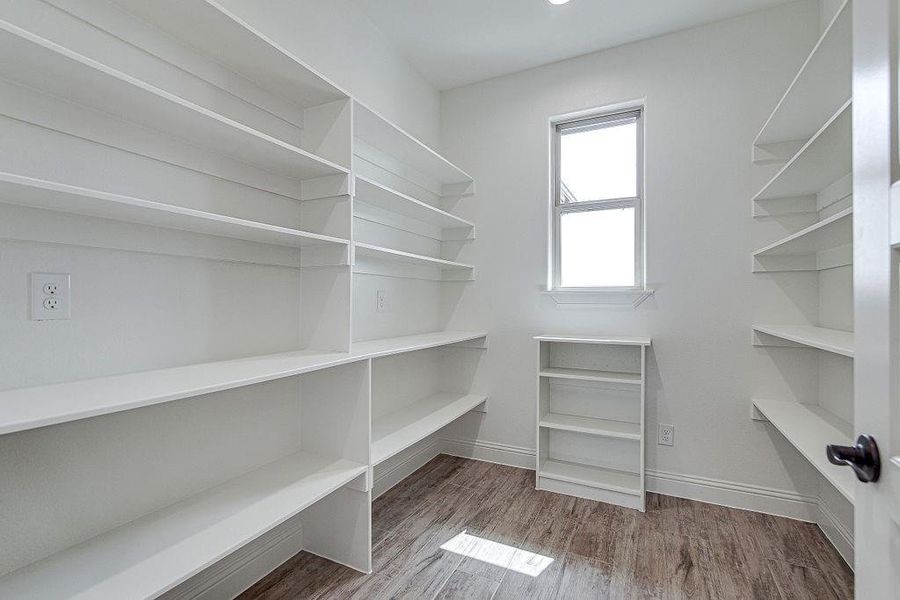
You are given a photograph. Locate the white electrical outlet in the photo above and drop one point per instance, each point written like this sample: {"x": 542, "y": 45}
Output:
{"x": 50, "y": 296}
{"x": 381, "y": 301}
{"x": 666, "y": 435}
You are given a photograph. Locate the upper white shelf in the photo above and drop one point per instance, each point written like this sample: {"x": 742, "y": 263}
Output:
{"x": 150, "y": 556}
{"x": 38, "y": 193}
{"x": 810, "y": 428}
{"x": 32, "y": 407}
{"x": 397, "y": 431}
{"x": 389, "y": 254}
{"x": 832, "y": 232}
{"x": 592, "y": 426}
{"x": 590, "y": 375}
{"x": 44, "y": 65}
{"x": 822, "y": 85}
{"x": 824, "y": 159}
{"x": 830, "y": 340}
{"x": 376, "y": 194}
{"x": 234, "y": 43}
{"x": 612, "y": 340}
{"x": 388, "y": 138}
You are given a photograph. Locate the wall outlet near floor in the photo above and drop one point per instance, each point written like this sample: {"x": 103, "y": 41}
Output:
{"x": 381, "y": 301}
{"x": 50, "y": 296}
{"x": 666, "y": 435}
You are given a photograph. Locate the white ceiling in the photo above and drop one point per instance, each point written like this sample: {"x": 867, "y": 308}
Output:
{"x": 457, "y": 42}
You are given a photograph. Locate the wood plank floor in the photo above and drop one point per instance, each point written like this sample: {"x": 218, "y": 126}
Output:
{"x": 460, "y": 528}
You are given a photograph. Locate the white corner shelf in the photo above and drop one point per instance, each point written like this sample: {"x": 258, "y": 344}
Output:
{"x": 591, "y": 375}
{"x": 832, "y": 234}
{"x": 413, "y": 343}
{"x": 821, "y": 338}
{"x": 235, "y": 44}
{"x": 376, "y": 194}
{"x": 809, "y": 429}
{"x": 622, "y": 482}
{"x": 44, "y": 65}
{"x": 627, "y": 340}
{"x": 50, "y": 195}
{"x": 391, "y": 255}
{"x": 821, "y": 86}
{"x": 397, "y": 431}
{"x": 592, "y": 426}
{"x": 387, "y": 138}
{"x": 153, "y": 554}
{"x": 824, "y": 159}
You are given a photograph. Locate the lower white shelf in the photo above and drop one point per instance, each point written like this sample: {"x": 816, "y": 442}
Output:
{"x": 591, "y": 476}
{"x": 590, "y": 375}
{"x": 153, "y": 554}
{"x": 593, "y": 426}
{"x": 400, "y": 429}
{"x": 830, "y": 340}
{"x": 809, "y": 429}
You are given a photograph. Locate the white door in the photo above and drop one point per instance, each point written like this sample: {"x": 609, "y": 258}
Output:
{"x": 877, "y": 312}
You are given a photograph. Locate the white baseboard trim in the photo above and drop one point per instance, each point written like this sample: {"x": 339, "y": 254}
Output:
{"x": 836, "y": 532}
{"x": 504, "y": 454}
{"x": 244, "y": 567}
{"x": 405, "y": 466}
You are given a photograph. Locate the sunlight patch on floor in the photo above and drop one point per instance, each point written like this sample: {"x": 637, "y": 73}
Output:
{"x": 495, "y": 553}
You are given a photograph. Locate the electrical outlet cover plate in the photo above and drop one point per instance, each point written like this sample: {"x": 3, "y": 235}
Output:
{"x": 50, "y": 296}
{"x": 666, "y": 435}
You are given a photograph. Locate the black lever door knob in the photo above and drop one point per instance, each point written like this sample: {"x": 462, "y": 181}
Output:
{"x": 863, "y": 458}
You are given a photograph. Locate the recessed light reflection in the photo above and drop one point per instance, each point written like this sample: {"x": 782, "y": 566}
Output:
{"x": 495, "y": 553}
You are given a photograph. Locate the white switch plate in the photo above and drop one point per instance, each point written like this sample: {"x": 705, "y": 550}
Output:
{"x": 381, "y": 301}
{"x": 666, "y": 435}
{"x": 50, "y": 296}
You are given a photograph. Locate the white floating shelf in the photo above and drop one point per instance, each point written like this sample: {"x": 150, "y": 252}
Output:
{"x": 153, "y": 554}
{"x": 235, "y": 44}
{"x": 593, "y": 426}
{"x": 49, "y": 67}
{"x": 397, "y": 431}
{"x": 822, "y": 85}
{"x": 29, "y": 408}
{"x": 591, "y": 375}
{"x": 605, "y": 340}
{"x": 824, "y": 159}
{"x": 809, "y": 429}
{"x": 830, "y": 340}
{"x": 382, "y": 135}
{"x": 832, "y": 236}
{"x": 37, "y": 193}
{"x": 376, "y": 194}
{"x": 391, "y": 255}
{"x": 596, "y": 477}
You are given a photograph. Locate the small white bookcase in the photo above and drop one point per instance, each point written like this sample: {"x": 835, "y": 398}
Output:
{"x": 590, "y": 417}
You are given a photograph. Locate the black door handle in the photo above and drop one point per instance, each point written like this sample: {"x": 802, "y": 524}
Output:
{"x": 863, "y": 458}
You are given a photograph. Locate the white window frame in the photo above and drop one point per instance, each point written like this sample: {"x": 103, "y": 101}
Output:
{"x": 593, "y": 120}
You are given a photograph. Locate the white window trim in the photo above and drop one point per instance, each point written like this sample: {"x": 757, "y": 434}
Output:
{"x": 632, "y": 295}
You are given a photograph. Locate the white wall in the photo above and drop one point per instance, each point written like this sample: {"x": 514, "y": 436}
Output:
{"x": 707, "y": 92}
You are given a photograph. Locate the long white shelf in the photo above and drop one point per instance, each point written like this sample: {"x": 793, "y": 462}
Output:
{"x": 597, "y": 477}
{"x": 38, "y": 193}
{"x": 610, "y": 340}
{"x": 590, "y": 375}
{"x": 389, "y": 254}
{"x": 153, "y": 554}
{"x": 592, "y": 426}
{"x": 832, "y": 232}
{"x": 821, "y": 86}
{"x": 399, "y": 430}
{"x": 376, "y": 194}
{"x": 32, "y": 407}
{"x": 824, "y": 159}
{"x": 809, "y": 429}
{"x": 830, "y": 340}
{"x": 386, "y": 137}
{"x": 234, "y": 43}
{"x": 47, "y": 66}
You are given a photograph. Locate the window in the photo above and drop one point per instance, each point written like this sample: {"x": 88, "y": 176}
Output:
{"x": 597, "y": 203}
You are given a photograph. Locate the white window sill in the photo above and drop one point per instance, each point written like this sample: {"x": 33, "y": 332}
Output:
{"x": 600, "y": 297}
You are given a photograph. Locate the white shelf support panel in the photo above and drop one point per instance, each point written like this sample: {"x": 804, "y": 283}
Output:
{"x": 150, "y": 556}
{"x": 46, "y": 66}
{"x": 824, "y": 245}
{"x": 591, "y": 394}
{"x": 822, "y": 85}
{"x": 397, "y": 431}
{"x": 805, "y": 336}
{"x": 810, "y": 429}
{"x": 33, "y": 407}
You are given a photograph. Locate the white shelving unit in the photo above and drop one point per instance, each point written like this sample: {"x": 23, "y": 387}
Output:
{"x": 809, "y": 133}
{"x": 590, "y": 411}
{"x": 343, "y": 165}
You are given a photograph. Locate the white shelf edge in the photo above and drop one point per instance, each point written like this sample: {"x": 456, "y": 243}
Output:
{"x": 594, "y": 483}
{"x": 384, "y": 253}
{"x": 591, "y": 426}
{"x": 765, "y": 250}
{"x": 821, "y": 338}
{"x": 591, "y": 375}
{"x": 609, "y": 340}
{"x": 459, "y": 222}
